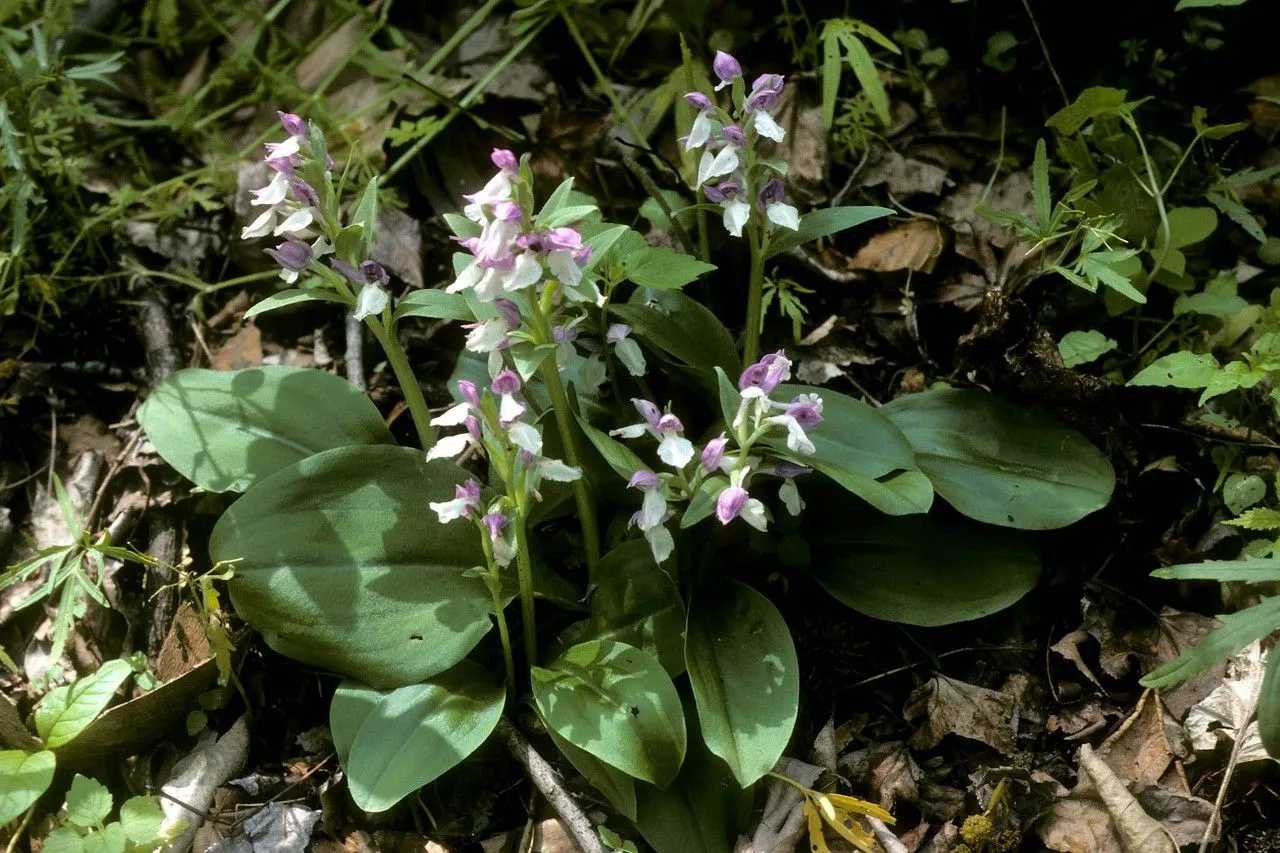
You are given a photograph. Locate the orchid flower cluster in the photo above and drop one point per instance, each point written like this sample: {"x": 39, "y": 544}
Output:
{"x": 726, "y": 464}
{"x": 745, "y": 182}
{"x": 494, "y": 423}
{"x": 302, "y": 207}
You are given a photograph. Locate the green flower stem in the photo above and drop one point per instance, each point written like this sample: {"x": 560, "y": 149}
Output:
{"x": 495, "y": 589}
{"x": 565, "y": 421}
{"x": 606, "y": 84}
{"x": 755, "y": 298}
{"x": 409, "y": 384}
{"x": 524, "y": 568}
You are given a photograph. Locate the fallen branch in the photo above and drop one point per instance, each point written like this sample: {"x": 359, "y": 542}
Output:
{"x": 548, "y": 782}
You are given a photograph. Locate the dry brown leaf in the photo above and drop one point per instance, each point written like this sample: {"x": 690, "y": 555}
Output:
{"x": 1138, "y": 832}
{"x": 903, "y": 176}
{"x": 1222, "y": 715}
{"x": 88, "y": 433}
{"x": 332, "y": 52}
{"x": 949, "y": 706}
{"x": 1078, "y": 826}
{"x": 914, "y": 245}
{"x": 1140, "y": 750}
{"x": 398, "y": 245}
{"x": 1069, "y": 648}
{"x": 1178, "y": 633}
{"x": 241, "y": 350}
{"x": 887, "y": 768}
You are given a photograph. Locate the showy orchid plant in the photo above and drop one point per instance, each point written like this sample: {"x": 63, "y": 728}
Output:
{"x": 580, "y": 468}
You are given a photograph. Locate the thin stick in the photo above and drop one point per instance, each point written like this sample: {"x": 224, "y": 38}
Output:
{"x": 1216, "y": 816}
{"x": 890, "y": 842}
{"x": 1044, "y": 48}
{"x": 548, "y": 782}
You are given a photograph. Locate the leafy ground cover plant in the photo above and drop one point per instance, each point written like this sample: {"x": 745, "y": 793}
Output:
{"x": 577, "y": 456}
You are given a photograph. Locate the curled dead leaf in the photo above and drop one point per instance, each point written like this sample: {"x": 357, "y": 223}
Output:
{"x": 913, "y": 245}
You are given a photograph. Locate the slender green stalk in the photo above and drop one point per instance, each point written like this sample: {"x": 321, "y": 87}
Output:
{"x": 524, "y": 569}
{"x": 409, "y": 384}
{"x": 17, "y": 833}
{"x": 495, "y": 590}
{"x": 567, "y": 424}
{"x": 605, "y": 83}
{"x": 755, "y": 298}
{"x": 472, "y": 95}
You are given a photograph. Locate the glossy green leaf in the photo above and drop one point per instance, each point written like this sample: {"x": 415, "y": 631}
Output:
{"x": 24, "y": 776}
{"x": 680, "y": 327}
{"x": 702, "y": 811}
{"x": 88, "y": 802}
{"x": 823, "y": 223}
{"x": 343, "y": 564}
{"x": 1082, "y": 347}
{"x": 637, "y": 603}
{"x": 1238, "y": 630}
{"x": 1187, "y": 226}
{"x": 923, "y": 570}
{"x": 662, "y": 268}
{"x": 618, "y": 788}
{"x": 745, "y": 677}
{"x": 1093, "y": 102}
{"x": 411, "y": 735}
{"x": 141, "y": 819}
{"x": 1269, "y": 706}
{"x": 1002, "y": 463}
{"x": 617, "y": 703}
{"x": 1223, "y": 571}
{"x": 435, "y": 305}
{"x": 618, "y": 456}
{"x": 226, "y": 430}
{"x": 1181, "y": 369}
{"x": 1040, "y": 187}
{"x": 863, "y": 451}
{"x": 285, "y": 298}
{"x": 67, "y": 711}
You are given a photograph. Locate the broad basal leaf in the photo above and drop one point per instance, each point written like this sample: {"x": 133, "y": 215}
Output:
{"x": 1002, "y": 463}
{"x": 637, "y": 603}
{"x": 746, "y": 681}
{"x": 67, "y": 711}
{"x": 24, "y": 776}
{"x": 407, "y": 737}
{"x": 1181, "y": 369}
{"x": 617, "y": 703}
{"x": 922, "y": 570}
{"x": 618, "y": 787}
{"x": 226, "y": 430}
{"x": 342, "y": 564}
{"x": 702, "y": 811}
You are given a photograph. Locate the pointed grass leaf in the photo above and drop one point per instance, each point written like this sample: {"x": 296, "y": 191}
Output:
{"x": 832, "y": 65}
{"x": 286, "y": 298}
{"x": 1269, "y": 706}
{"x": 226, "y": 430}
{"x": 1223, "y": 571}
{"x": 923, "y": 570}
{"x": 67, "y": 711}
{"x": 1238, "y": 630}
{"x": 864, "y": 68}
{"x": 745, "y": 677}
{"x": 343, "y": 564}
{"x": 617, "y": 703}
{"x": 823, "y": 223}
{"x": 411, "y": 735}
{"x": 1002, "y": 463}
{"x": 435, "y": 305}
{"x": 24, "y": 776}
{"x": 1040, "y": 187}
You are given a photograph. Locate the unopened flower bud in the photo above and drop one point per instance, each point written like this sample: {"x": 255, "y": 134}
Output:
{"x": 726, "y": 68}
